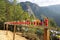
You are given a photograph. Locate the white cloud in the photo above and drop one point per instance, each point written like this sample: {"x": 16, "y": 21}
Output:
{"x": 43, "y": 2}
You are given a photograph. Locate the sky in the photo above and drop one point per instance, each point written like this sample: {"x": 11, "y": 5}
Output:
{"x": 43, "y": 2}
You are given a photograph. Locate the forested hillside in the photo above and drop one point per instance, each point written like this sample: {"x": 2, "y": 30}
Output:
{"x": 11, "y": 12}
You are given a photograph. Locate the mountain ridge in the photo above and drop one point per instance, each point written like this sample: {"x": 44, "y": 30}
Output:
{"x": 49, "y": 11}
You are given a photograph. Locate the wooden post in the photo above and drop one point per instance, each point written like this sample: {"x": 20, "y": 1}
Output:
{"x": 46, "y": 34}
{"x": 14, "y": 32}
{"x": 6, "y": 29}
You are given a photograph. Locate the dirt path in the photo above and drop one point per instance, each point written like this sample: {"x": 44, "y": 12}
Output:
{"x": 3, "y": 36}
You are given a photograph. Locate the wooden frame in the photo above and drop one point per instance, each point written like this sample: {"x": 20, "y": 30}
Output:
{"x": 46, "y": 31}
{"x": 7, "y": 24}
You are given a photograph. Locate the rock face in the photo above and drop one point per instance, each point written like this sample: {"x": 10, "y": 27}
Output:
{"x": 3, "y": 36}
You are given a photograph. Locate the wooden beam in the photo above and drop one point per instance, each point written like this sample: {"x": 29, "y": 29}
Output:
{"x": 14, "y": 32}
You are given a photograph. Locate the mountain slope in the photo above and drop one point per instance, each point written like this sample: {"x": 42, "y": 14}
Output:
{"x": 49, "y": 11}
